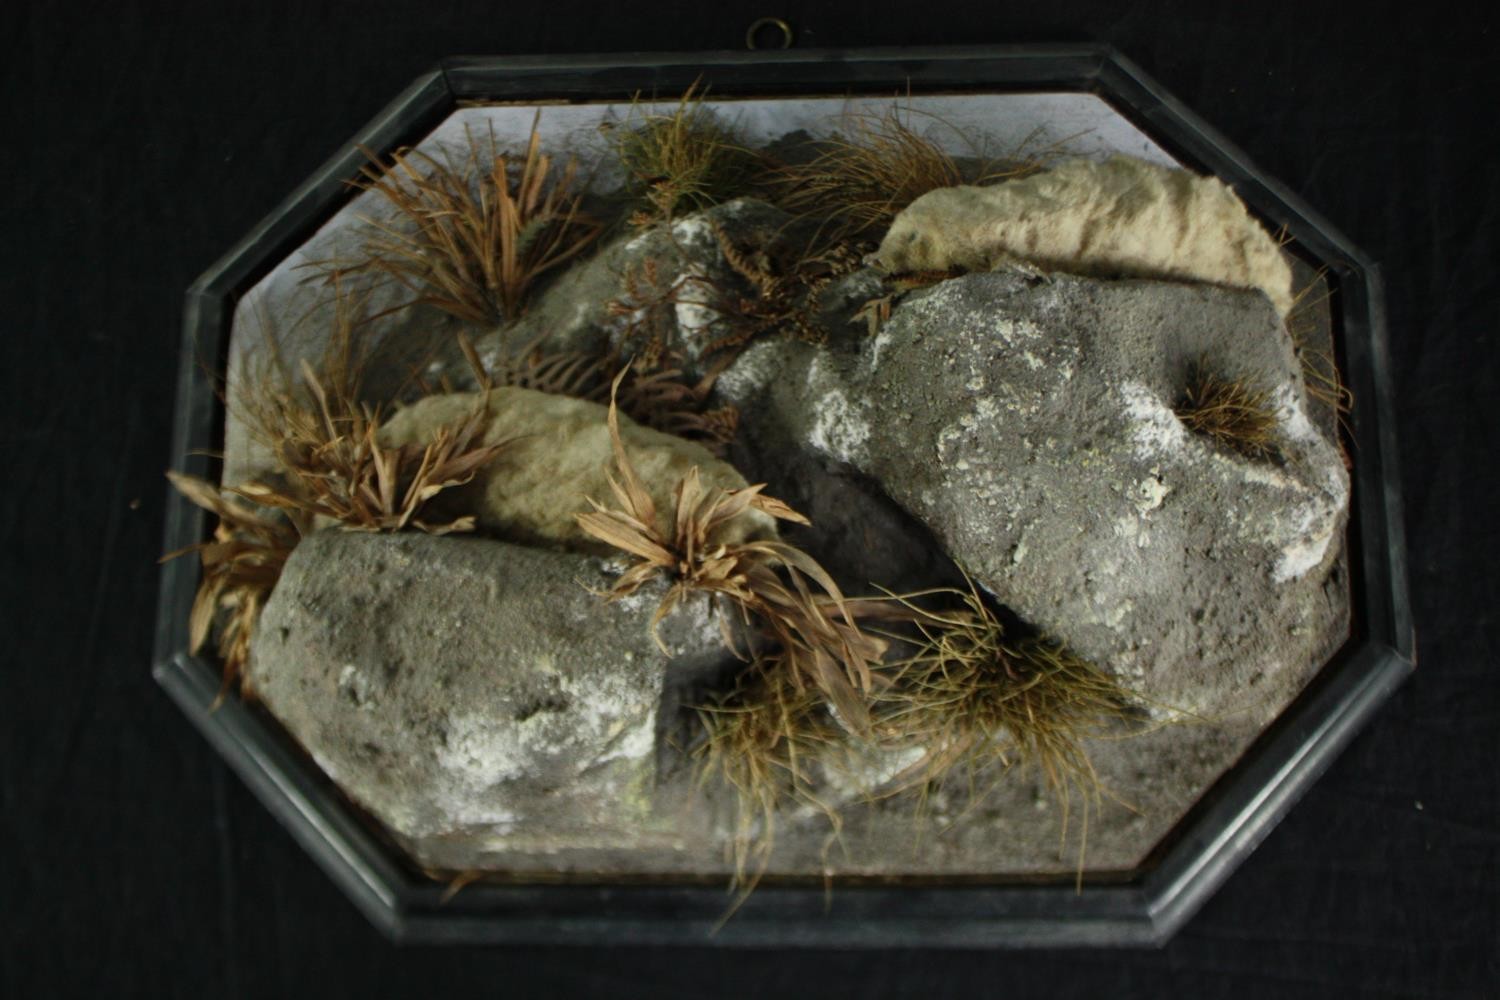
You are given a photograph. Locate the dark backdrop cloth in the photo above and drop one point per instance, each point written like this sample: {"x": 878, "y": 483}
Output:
{"x": 143, "y": 141}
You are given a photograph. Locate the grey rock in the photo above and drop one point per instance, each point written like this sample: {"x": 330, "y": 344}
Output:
{"x": 580, "y": 310}
{"x": 473, "y": 695}
{"x": 1029, "y": 426}
{"x": 857, "y": 533}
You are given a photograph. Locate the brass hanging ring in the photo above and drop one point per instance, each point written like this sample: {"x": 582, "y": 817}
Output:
{"x": 769, "y": 22}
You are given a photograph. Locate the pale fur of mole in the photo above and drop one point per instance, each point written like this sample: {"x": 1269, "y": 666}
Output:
{"x": 1117, "y": 218}
{"x": 560, "y": 456}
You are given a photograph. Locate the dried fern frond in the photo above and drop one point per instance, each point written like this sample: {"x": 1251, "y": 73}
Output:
{"x": 241, "y": 565}
{"x": 761, "y": 741}
{"x": 972, "y": 697}
{"x": 472, "y": 238}
{"x": 769, "y": 292}
{"x": 681, "y": 161}
{"x": 1231, "y": 412}
{"x": 775, "y": 587}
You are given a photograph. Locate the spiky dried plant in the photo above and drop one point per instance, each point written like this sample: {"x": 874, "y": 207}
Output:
{"x": 776, "y": 588}
{"x": 332, "y": 469}
{"x": 762, "y": 741}
{"x": 332, "y": 466}
{"x": 973, "y": 697}
{"x": 472, "y": 238}
{"x": 240, "y": 564}
{"x": 874, "y": 168}
{"x": 1231, "y": 412}
{"x": 683, "y": 160}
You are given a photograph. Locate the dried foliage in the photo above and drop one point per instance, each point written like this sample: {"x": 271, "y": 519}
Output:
{"x": 472, "y": 238}
{"x": 973, "y": 697}
{"x": 761, "y": 741}
{"x": 647, "y": 311}
{"x": 1232, "y": 412}
{"x": 682, "y": 161}
{"x": 771, "y": 292}
{"x": 659, "y": 398}
{"x": 241, "y": 564}
{"x": 782, "y": 292}
{"x": 330, "y": 468}
{"x": 1320, "y": 372}
{"x": 876, "y": 167}
{"x": 333, "y": 465}
{"x": 775, "y": 588}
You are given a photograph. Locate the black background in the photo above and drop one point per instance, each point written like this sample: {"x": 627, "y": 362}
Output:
{"x": 142, "y": 142}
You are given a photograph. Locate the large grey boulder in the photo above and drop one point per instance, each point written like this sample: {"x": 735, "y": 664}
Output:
{"x": 1029, "y": 426}
{"x": 473, "y": 695}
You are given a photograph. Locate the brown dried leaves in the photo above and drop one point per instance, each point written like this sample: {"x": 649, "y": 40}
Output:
{"x": 775, "y": 587}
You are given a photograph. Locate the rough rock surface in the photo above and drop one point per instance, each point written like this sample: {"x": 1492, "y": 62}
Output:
{"x": 561, "y": 455}
{"x": 1120, "y": 217}
{"x": 1030, "y": 427}
{"x": 659, "y": 279}
{"x": 473, "y": 695}
{"x": 857, "y": 532}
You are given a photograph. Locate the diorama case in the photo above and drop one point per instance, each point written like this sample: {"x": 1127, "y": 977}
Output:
{"x": 1144, "y": 907}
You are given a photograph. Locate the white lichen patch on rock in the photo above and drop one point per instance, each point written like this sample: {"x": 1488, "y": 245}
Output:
{"x": 751, "y": 373}
{"x": 1155, "y": 430}
{"x": 561, "y": 455}
{"x": 1120, "y": 217}
{"x": 840, "y": 427}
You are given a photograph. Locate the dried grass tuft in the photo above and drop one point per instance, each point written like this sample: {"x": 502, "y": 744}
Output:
{"x": 879, "y": 165}
{"x": 974, "y": 697}
{"x": 774, "y": 587}
{"x": 681, "y": 161}
{"x": 760, "y": 741}
{"x": 473, "y": 237}
{"x": 1232, "y": 412}
{"x": 1320, "y": 372}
